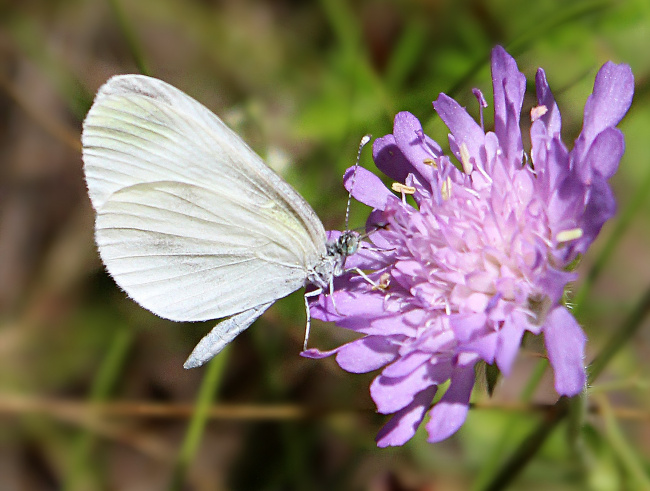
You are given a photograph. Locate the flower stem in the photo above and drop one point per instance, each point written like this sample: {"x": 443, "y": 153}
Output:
{"x": 108, "y": 374}
{"x": 626, "y": 455}
{"x": 209, "y": 387}
{"x": 533, "y": 442}
{"x": 529, "y": 447}
{"x": 129, "y": 37}
{"x": 620, "y": 337}
{"x": 622, "y": 224}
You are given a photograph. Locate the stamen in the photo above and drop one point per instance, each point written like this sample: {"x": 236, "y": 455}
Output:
{"x": 398, "y": 187}
{"x": 384, "y": 282}
{"x": 430, "y": 162}
{"x": 404, "y": 189}
{"x": 446, "y": 189}
{"x": 537, "y": 112}
{"x": 568, "y": 235}
{"x": 464, "y": 158}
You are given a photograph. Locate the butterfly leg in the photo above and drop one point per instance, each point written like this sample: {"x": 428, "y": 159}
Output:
{"x": 362, "y": 274}
{"x": 308, "y": 295}
{"x": 378, "y": 249}
{"x": 332, "y": 295}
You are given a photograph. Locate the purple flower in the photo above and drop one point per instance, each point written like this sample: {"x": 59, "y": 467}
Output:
{"x": 484, "y": 254}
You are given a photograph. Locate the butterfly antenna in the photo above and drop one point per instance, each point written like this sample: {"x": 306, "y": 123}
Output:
{"x": 363, "y": 143}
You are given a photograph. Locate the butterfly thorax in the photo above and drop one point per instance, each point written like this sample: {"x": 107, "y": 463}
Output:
{"x": 333, "y": 263}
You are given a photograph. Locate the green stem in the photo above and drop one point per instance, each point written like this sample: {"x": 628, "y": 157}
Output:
{"x": 529, "y": 447}
{"x": 486, "y": 473}
{"x": 209, "y": 387}
{"x": 620, "y": 337}
{"x": 626, "y": 455}
{"x": 622, "y": 224}
{"x": 129, "y": 36}
{"x": 108, "y": 374}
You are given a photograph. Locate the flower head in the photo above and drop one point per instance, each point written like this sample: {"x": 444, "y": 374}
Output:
{"x": 483, "y": 255}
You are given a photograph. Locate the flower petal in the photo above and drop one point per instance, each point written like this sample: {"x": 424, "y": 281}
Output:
{"x": 403, "y": 425}
{"x": 316, "y": 354}
{"x": 552, "y": 119}
{"x": 550, "y": 159}
{"x": 389, "y": 158}
{"x": 367, "y": 354}
{"x": 417, "y": 147}
{"x": 604, "y": 155}
{"x": 601, "y": 206}
{"x": 450, "y": 412}
{"x": 485, "y": 347}
{"x": 405, "y": 365}
{"x": 565, "y": 345}
{"x": 352, "y": 305}
{"x": 610, "y": 100}
{"x": 509, "y": 86}
{"x": 367, "y": 188}
{"x": 508, "y": 344}
{"x": 389, "y": 324}
{"x": 392, "y": 394}
{"x": 461, "y": 125}
{"x": 367, "y": 257}
{"x": 465, "y": 326}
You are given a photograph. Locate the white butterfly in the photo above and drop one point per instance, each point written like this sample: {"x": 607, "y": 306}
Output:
{"x": 190, "y": 221}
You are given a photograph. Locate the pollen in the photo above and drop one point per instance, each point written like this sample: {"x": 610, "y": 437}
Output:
{"x": 537, "y": 112}
{"x": 398, "y": 187}
{"x": 465, "y": 159}
{"x": 430, "y": 162}
{"x": 383, "y": 283}
{"x": 568, "y": 235}
{"x": 446, "y": 189}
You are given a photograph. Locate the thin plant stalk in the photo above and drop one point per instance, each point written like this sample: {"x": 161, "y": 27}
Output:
{"x": 207, "y": 392}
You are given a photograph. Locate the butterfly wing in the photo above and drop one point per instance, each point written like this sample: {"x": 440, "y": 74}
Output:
{"x": 223, "y": 333}
{"x": 190, "y": 222}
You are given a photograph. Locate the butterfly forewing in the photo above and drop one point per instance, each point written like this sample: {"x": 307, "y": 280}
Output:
{"x": 190, "y": 221}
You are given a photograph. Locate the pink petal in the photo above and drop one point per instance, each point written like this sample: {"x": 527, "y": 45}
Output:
{"x": 565, "y": 344}
{"x": 437, "y": 341}
{"x": 483, "y": 346}
{"x": 509, "y": 86}
{"x": 417, "y": 147}
{"x": 466, "y": 325}
{"x": 367, "y": 257}
{"x": 367, "y": 188}
{"x": 378, "y": 235}
{"x": 353, "y": 305}
{"x": 449, "y": 414}
{"x": 392, "y": 323}
{"x": 550, "y": 158}
{"x": 392, "y": 394}
{"x": 367, "y": 354}
{"x": 552, "y": 119}
{"x": 316, "y": 354}
{"x": 461, "y": 125}
{"x": 406, "y": 364}
{"x": 403, "y": 425}
{"x": 610, "y": 100}
{"x": 603, "y": 156}
{"x": 601, "y": 206}
{"x": 389, "y": 158}
{"x": 508, "y": 344}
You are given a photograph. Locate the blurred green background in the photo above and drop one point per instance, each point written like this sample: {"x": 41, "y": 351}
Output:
{"x": 93, "y": 395}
